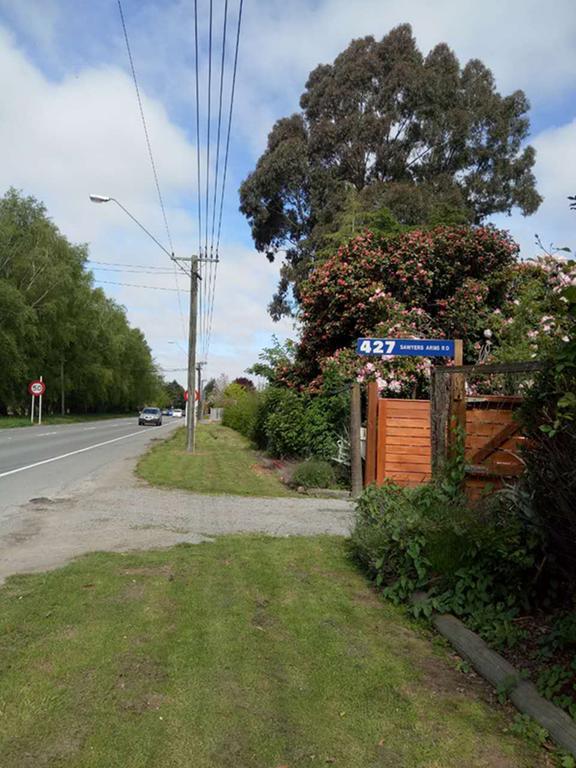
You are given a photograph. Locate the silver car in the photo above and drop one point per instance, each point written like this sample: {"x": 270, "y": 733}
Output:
{"x": 150, "y": 416}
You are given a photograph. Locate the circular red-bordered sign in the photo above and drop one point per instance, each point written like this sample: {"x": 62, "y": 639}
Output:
{"x": 36, "y": 388}
{"x": 196, "y": 395}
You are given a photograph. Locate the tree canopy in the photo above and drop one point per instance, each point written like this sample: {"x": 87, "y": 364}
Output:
{"x": 55, "y": 323}
{"x": 421, "y": 136}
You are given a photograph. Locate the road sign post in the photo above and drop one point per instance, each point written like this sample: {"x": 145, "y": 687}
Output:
{"x": 40, "y": 402}
{"x": 36, "y": 389}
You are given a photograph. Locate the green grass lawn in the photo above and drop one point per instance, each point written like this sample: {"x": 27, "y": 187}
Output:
{"x": 223, "y": 462}
{"x": 7, "y": 422}
{"x": 247, "y": 652}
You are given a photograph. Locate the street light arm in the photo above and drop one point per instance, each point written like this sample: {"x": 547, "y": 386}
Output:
{"x": 106, "y": 199}
{"x": 142, "y": 227}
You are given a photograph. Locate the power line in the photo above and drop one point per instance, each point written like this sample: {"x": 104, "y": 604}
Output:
{"x": 219, "y": 122}
{"x": 199, "y": 200}
{"x": 229, "y": 125}
{"x": 144, "y": 125}
{"x": 151, "y": 156}
{"x": 226, "y": 156}
{"x": 134, "y": 285}
{"x": 133, "y": 271}
{"x": 136, "y": 266}
{"x": 212, "y": 267}
{"x": 208, "y": 125}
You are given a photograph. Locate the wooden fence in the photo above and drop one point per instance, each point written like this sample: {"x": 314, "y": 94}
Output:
{"x": 408, "y": 440}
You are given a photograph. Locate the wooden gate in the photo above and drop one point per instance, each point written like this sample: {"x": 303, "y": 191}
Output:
{"x": 404, "y": 438}
{"x": 493, "y": 442}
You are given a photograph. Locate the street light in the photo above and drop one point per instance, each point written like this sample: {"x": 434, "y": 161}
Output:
{"x": 179, "y": 346}
{"x": 194, "y": 277}
{"x": 106, "y": 199}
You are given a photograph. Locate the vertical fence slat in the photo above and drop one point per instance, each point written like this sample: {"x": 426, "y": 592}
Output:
{"x": 457, "y": 409}
{"x": 440, "y": 386}
{"x": 371, "y": 434}
{"x": 381, "y": 449}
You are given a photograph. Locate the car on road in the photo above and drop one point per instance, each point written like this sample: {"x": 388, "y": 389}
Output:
{"x": 167, "y": 412}
{"x": 178, "y": 413}
{"x": 150, "y": 416}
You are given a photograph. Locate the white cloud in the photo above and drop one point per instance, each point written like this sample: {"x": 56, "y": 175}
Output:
{"x": 555, "y": 171}
{"x": 66, "y": 139}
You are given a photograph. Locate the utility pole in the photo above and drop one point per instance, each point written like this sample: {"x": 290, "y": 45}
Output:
{"x": 194, "y": 277}
{"x": 191, "y": 411}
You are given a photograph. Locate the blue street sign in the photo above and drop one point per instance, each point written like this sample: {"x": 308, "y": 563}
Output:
{"x": 406, "y": 347}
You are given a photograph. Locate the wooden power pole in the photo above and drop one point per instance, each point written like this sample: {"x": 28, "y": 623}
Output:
{"x": 355, "y": 446}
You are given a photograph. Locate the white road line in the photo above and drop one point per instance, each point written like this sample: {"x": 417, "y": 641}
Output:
{"x": 46, "y": 434}
{"x": 86, "y": 429}
{"x": 73, "y": 453}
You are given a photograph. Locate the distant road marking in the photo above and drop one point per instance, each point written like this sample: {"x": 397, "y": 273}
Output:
{"x": 73, "y": 453}
{"x": 87, "y": 429}
{"x": 46, "y": 434}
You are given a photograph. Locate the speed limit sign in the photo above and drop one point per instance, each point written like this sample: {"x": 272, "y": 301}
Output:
{"x": 36, "y": 388}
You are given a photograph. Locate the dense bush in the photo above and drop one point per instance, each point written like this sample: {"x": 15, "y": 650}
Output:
{"x": 240, "y": 408}
{"x": 292, "y": 424}
{"x": 284, "y": 425}
{"x": 314, "y": 473}
{"x": 549, "y": 421}
{"x": 476, "y": 563}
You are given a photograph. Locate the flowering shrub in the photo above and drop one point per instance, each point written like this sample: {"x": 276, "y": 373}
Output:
{"x": 441, "y": 283}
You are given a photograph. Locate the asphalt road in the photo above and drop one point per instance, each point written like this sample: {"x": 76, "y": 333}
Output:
{"x": 49, "y": 460}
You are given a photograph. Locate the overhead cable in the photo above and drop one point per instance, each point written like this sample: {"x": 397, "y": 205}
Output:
{"x": 145, "y": 126}
{"x": 134, "y": 285}
{"x": 226, "y": 156}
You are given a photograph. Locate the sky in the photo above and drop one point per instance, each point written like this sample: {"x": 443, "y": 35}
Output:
{"x": 70, "y": 126}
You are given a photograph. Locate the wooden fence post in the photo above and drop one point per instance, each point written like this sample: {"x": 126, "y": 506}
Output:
{"x": 440, "y": 386}
{"x": 457, "y": 410}
{"x": 371, "y": 434}
{"x": 355, "y": 449}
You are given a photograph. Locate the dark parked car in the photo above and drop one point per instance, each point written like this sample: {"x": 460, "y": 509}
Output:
{"x": 150, "y": 416}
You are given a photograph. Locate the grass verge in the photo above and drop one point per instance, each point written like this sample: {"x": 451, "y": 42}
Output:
{"x": 8, "y": 422}
{"x": 247, "y": 652}
{"x": 223, "y": 462}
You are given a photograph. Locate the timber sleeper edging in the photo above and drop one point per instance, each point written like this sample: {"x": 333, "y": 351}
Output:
{"x": 503, "y": 676}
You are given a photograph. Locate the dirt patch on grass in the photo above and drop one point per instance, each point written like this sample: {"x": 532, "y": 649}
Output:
{"x": 261, "y": 471}
{"x": 56, "y": 752}
{"x": 144, "y": 703}
{"x": 148, "y": 570}
{"x": 262, "y": 618}
{"x": 133, "y": 591}
{"x": 138, "y": 682}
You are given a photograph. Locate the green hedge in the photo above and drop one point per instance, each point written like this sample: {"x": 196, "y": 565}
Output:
{"x": 286, "y": 423}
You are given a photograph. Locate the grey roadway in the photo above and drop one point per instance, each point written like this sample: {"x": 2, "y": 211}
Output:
{"x": 69, "y": 490}
{"x": 48, "y": 460}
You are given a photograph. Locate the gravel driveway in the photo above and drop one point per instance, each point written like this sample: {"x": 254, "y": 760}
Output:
{"x": 115, "y": 511}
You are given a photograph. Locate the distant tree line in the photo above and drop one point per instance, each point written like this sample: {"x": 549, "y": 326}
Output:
{"x": 55, "y": 323}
